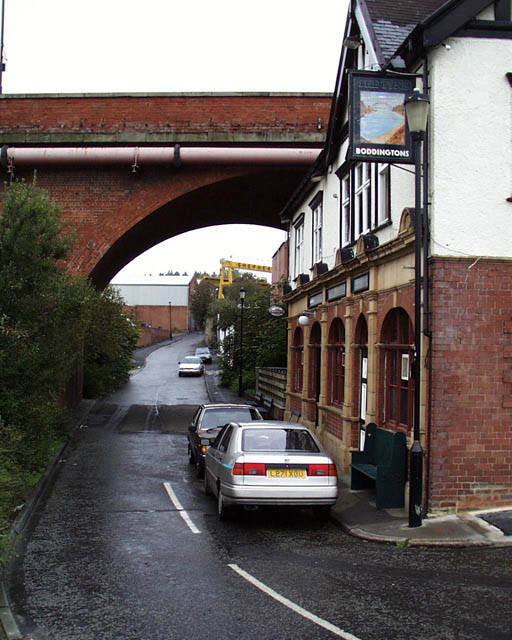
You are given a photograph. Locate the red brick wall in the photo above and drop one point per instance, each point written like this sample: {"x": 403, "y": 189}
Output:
{"x": 158, "y": 317}
{"x": 117, "y": 214}
{"x": 471, "y": 421}
{"x": 196, "y": 116}
{"x": 333, "y": 424}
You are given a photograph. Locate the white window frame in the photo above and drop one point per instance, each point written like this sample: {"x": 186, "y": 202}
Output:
{"x": 383, "y": 205}
{"x": 317, "y": 233}
{"x": 362, "y": 199}
{"x": 299, "y": 248}
{"x": 345, "y": 210}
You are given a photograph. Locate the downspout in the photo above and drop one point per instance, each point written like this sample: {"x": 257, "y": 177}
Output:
{"x": 426, "y": 298}
{"x": 176, "y": 156}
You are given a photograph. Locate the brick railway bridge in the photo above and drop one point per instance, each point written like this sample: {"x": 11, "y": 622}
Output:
{"x": 129, "y": 171}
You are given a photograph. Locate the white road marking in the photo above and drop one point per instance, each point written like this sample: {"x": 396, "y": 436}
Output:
{"x": 180, "y": 509}
{"x": 291, "y": 605}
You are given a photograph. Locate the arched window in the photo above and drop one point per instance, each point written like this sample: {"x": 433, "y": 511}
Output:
{"x": 337, "y": 362}
{"x": 297, "y": 360}
{"x": 397, "y": 336}
{"x": 361, "y": 366}
{"x": 315, "y": 339}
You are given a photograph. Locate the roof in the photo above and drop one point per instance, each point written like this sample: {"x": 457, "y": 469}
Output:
{"x": 393, "y": 21}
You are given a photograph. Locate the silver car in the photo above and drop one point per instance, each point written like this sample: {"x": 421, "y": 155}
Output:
{"x": 269, "y": 463}
{"x": 190, "y": 366}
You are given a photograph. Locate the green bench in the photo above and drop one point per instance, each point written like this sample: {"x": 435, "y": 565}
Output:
{"x": 381, "y": 464}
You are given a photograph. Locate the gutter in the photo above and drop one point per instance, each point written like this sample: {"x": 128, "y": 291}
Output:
{"x": 177, "y": 156}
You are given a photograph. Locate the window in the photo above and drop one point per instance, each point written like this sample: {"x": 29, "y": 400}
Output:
{"x": 397, "y": 354}
{"x": 345, "y": 211}
{"x": 299, "y": 247}
{"x": 336, "y": 363}
{"x": 362, "y": 199}
{"x": 315, "y": 353}
{"x": 316, "y": 206}
{"x": 365, "y": 199}
{"x": 383, "y": 194}
{"x": 224, "y": 443}
{"x": 297, "y": 360}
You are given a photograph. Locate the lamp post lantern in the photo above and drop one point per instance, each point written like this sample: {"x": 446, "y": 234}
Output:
{"x": 242, "y": 298}
{"x": 416, "y": 109}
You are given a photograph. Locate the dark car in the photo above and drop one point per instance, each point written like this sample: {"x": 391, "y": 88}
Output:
{"x": 206, "y": 424}
{"x": 204, "y": 353}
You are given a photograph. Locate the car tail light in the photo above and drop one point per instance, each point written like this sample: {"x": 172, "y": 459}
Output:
{"x": 322, "y": 470}
{"x": 203, "y": 448}
{"x": 249, "y": 469}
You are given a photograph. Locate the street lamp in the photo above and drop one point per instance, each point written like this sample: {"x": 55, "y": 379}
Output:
{"x": 170, "y": 320}
{"x": 242, "y": 298}
{"x": 416, "y": 109}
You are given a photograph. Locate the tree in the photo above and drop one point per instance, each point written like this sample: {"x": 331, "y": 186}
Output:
{"x": 264, "y": 337}
{"x": 200, "y": 301}
{"x": 44, "y": 318}
{"x": 109, "y": 343}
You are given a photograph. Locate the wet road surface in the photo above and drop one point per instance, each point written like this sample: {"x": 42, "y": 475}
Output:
{"x": 109, "y": 555}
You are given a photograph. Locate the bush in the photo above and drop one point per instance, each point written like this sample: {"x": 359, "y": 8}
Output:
{"x": 109, "y": 345}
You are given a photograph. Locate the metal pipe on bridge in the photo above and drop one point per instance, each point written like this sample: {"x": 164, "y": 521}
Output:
{"x": 176, "y": 156}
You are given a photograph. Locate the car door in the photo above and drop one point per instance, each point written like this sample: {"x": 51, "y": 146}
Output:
{"x": 212, "y": 456}
{"x": 223, "y": 466}
{"x": 192, "y": 434}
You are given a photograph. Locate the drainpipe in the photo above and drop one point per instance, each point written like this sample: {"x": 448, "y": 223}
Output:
{"x": 426, "y": 302}
{"x": 11, "y": 157}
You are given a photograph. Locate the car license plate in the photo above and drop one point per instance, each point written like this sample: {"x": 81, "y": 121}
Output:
{"x": 286, "y": 473}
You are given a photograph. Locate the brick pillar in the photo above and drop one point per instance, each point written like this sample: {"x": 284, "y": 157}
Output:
{"x": 324, "y": 354}
{"x": 373, "y": 354}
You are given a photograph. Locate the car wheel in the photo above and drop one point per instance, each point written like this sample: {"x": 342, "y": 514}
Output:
{"x": 207, "y": 489}
{"x": 222, "y": 510}
{"x": 322, "y": 512}
{"x": 191, "y": 455}
{"x": 199, "y": 468}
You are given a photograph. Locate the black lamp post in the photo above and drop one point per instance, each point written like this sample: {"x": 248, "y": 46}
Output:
{"x": 170, "y": 320}
{"x": 416, "y": 109}
{"x": 242, "y": 298}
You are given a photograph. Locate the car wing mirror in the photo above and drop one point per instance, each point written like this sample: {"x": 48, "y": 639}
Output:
{"x": 192, "y": 428}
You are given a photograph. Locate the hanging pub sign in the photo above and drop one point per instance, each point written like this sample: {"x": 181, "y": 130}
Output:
{"x": 378, "y": 130}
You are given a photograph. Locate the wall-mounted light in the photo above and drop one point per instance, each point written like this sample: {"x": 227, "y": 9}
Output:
{"x": 352, "y": 42}
{"x": 303, "y": 319}
{"x": 416, "y": 108}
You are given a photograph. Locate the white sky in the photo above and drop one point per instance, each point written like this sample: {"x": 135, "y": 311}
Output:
{"x": 110, "y": 46}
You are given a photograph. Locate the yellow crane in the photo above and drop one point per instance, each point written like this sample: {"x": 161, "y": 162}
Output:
{"x": 226, "y": 272}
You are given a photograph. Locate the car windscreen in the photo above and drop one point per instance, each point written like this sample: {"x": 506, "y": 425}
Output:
{"x": 278, "y": 440}
{"x": 219, "y": 417}
{"x": 192, "y": 360}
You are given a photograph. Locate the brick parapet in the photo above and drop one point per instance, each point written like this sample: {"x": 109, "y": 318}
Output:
{"x": 145, "y": 119}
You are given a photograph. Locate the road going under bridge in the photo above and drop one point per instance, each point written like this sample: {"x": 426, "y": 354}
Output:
{"x": 129, "y": 171}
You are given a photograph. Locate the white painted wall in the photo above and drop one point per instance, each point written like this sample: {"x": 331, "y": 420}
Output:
{"x": 471, "y": 150}
{"x": 153, "y": 294}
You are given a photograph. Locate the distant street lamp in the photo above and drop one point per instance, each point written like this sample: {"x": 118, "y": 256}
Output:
{"x": 416, "y": 109}
{"x": 170, "y": 320}
{"x": 242, "y": 298}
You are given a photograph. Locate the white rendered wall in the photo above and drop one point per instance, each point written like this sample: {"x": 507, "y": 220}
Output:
{"x": 471, "y": 150}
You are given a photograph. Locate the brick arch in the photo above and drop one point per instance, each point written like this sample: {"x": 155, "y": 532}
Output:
{"x": 117, "y": 215}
